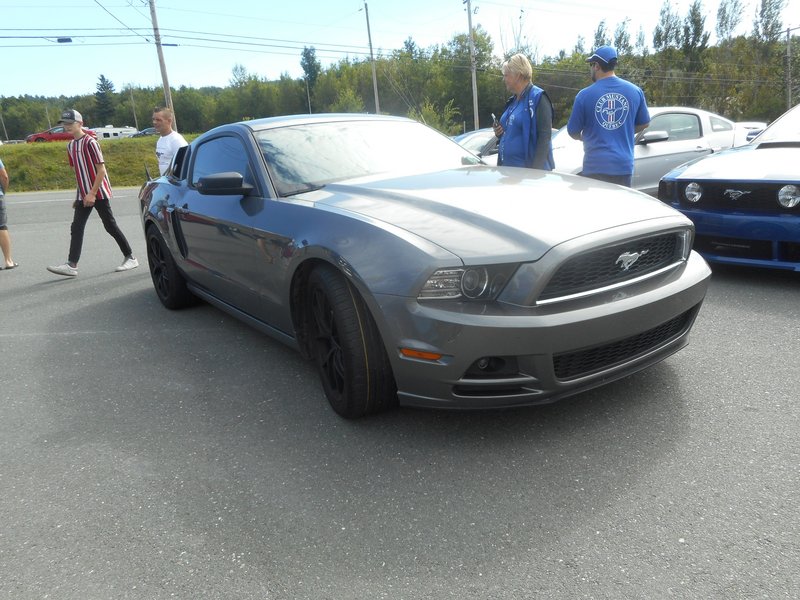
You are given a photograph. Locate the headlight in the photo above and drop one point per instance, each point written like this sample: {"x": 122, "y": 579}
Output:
{"x": 789, "y": 196}
{"x": 693, "y": 192}
{"x": 470, "y": 283}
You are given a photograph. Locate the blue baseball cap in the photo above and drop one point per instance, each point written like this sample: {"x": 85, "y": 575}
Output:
{"x": 604, "y": 54}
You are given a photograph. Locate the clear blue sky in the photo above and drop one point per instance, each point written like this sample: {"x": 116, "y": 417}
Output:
{"x": 115, "y": 37}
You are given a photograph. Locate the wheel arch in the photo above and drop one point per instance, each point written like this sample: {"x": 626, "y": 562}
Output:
{"x": 300, "y": 308}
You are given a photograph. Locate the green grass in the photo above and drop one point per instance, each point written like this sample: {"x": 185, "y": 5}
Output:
{"x": 44, "y": 166}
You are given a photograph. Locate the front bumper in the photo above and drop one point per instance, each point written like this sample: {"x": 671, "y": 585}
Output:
{"x": 756, "y": 240}
{"x": 539, "y": 354}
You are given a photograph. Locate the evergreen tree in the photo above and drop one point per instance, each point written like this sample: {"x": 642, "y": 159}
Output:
{"x": 104, "y": 102}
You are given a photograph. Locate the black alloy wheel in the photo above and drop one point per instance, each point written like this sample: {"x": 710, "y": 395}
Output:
{"x": 168, "y": 282}
{"x": 347, "y": 348}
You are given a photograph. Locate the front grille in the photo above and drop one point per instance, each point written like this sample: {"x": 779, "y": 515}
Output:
{"x": 604, "y": 267}
{"x": 752, "y": 197}
{"x": 585, "y": 362}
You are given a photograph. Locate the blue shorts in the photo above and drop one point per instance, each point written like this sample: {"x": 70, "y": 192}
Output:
{"x": 3, "y": 216}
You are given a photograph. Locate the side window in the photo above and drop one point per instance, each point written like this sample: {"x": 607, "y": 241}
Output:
{"x": 221, "y": 155}
{"x": 718, "y": 124}
{"x": 179, "y": 163}
{"x": 679, "y": 126}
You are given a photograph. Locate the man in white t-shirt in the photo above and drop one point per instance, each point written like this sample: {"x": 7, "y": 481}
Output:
{"x": 169, "y": 140}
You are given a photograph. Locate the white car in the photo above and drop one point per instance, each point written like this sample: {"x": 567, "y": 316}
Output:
{"x": 675, "y": 135}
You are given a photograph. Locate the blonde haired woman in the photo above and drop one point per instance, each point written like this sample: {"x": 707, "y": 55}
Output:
{"x": 525, "y": 128}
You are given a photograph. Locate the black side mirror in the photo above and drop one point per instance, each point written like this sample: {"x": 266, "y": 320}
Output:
{"x": 224, "y": 184}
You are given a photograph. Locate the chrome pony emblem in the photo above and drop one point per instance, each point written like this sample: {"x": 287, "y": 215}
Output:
{"x": 629, "y": 258}
{"x": 734, "y": 194}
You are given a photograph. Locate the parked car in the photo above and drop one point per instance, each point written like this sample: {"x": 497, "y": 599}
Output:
{"x": 675, "y": 135}
{"x": 476, "y": 141}
{"x": 145, "y": 131}
{"x": 55, "y": 134}
{"x": 745, "y": 202}
{"x": 483, "y": 143}
{"x": 410, "y": 272}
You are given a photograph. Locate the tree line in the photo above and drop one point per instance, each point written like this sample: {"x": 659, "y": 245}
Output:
{"x": 743, "y": 77}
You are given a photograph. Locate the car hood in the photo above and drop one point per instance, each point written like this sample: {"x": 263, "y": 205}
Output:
{"x": 761, "y": 162}
{"x": 504, "y": 213}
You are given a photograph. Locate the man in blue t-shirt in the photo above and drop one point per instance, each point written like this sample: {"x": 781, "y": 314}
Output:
{"x": 607, "y": 115}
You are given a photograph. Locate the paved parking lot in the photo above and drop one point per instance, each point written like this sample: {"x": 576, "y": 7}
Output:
{"x": 154, "y": 454}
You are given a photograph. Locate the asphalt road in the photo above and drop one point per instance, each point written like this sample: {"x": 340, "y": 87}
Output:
{"x": 154, "y": 454}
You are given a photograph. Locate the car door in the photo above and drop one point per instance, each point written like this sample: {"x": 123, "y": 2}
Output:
{"x": 654, "y": 160}
{"x": 216, "y": 230}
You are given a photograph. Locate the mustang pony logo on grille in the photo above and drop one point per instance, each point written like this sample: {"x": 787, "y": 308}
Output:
{"x": 734, "y": 194}
{"x": 629, "y": 258}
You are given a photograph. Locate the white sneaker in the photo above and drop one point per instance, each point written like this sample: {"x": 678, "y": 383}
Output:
{"x": 130, "y": 263}
{"x": 64, "y": 270}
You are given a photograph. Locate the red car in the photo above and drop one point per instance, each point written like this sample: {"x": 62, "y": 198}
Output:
{"x": 55, "y": 134}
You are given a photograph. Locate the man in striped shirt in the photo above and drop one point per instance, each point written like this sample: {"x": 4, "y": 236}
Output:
{"x": 94, "y": 192}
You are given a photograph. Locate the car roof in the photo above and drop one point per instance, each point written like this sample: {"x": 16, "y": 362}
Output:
{"x": 269, "y": 122}
{"x": 266, "y": 123}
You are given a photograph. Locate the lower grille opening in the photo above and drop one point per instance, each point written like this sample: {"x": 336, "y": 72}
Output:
{"x": 571, "y": 365}
{"x": 734, "y": 247}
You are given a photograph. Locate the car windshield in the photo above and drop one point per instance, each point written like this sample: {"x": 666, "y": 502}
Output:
{"x": 785, "y": 129}
{"x": 306, "y": 157}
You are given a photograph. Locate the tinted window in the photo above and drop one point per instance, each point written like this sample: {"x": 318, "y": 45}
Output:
{"x": 221, "y": 155}
{"x": 679, "y": 126}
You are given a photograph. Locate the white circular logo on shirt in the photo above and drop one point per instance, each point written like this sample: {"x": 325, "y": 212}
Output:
{"x": 611, "y": 110}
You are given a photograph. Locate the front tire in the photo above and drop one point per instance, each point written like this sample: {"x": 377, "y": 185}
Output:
{"x": 347, "y": 347}
{"x": 168, "y": 282}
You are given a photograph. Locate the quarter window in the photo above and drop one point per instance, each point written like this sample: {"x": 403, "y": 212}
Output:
{"x": 718, "y": 124}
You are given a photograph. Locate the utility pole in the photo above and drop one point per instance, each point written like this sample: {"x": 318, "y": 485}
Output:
{"x": 5, "y": 133}
{"x": 133, "y": 105}
{"x": 372, "y": 60}
{"x": 789, "y": 68}
{"x": 164, "y": 79}
{"x": 472, "y": 64}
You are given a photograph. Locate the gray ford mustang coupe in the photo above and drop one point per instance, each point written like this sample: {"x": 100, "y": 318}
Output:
{"x": 412, "y": 273}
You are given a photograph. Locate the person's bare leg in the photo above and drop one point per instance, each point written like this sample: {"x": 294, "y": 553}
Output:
{"x": 5, "y": 246}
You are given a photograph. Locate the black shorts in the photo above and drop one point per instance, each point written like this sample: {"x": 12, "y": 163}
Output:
{"x": 3, "y": 216}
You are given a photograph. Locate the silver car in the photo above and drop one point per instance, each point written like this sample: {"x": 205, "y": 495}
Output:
{"x": 411, "y": 273}
{"x": 675, "y": 135}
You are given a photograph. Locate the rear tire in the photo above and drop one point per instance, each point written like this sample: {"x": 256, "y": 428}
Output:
{"x": 347, "y": 347}
{"x": 168, "y": 282}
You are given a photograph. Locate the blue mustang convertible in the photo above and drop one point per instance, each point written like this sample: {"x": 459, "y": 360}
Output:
{"x": 745, "y": 202}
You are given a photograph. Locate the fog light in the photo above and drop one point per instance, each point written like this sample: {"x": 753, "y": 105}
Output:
{"x": 482, "y": 363}
{"x": 693, "y": 192}
{"x": 789, "y": 196}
